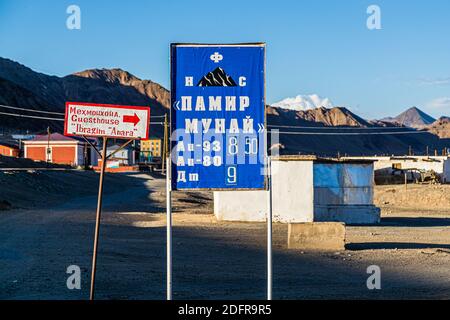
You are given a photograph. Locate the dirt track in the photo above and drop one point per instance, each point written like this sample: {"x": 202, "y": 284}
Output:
{"x": 42, "y": 236}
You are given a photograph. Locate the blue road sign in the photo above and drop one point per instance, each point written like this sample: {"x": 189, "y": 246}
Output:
{"x": 218, "y": 116}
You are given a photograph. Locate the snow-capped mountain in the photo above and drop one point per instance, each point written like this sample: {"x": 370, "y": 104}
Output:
{"x": 304, "y": 102}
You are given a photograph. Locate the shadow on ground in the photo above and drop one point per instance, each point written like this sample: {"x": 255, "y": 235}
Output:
{"x": 208, "y": 263}
{"x": 415, "y": 222}
{"x": 394, "y": 245}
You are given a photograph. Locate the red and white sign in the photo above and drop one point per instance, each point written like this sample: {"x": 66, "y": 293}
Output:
{"x": 104, "y": 120}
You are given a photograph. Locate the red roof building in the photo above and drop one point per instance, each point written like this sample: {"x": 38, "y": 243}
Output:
{"x": 60, "y": 149}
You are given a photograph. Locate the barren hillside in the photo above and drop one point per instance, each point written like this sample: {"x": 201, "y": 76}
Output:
{"x": 441, "y": 127}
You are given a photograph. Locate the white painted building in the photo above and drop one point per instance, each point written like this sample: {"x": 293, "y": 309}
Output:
{"x": 307, "y": 189}
{"x": 386, "y": 165}
{"x": 125, "y": 156}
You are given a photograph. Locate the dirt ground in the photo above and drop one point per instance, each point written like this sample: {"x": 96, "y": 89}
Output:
{"x": 50, "y": 226}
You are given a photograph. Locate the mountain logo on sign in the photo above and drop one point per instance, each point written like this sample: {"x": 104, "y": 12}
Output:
{"x": 216, "y": 78}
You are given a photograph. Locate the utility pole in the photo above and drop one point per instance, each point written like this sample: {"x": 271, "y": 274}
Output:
{"x": 20, "y": 149}
{"x": 48, "y": 145}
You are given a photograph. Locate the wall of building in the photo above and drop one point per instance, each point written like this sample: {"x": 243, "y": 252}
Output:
{"x": 69, "y": 154}
{"x": 92, "y": 154}
{"x": 155, "y": 147}
{"x": 80, "y": 155}
{"x": 94, "y": 157}
{"x": 293, "y": 192}
{"x": 9, "y": 152}
{"x": 343, "y": 192}
{"x": 64, "y": 154}
{"x": 343, "y": 184}
{"x": 152, "y": 146}
{"x": 240, "y": 205}
{"x": 446, "y": 174}
{"x": 36, "y": 153}
{"x": 436, "y": 165}
{"x": 439, "y": 164}
{"x": 124, "y": 156}
{"x": 292, "y": 196}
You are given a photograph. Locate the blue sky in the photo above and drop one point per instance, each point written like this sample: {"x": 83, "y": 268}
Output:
{"x": 315, "y": 46}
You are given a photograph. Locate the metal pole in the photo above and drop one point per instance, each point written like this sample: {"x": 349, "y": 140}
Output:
{"x": 169, "y": 228}
{"x": 164, "y": 146}
{"x": 269, "y": 231}
{"x": 97, "y": 219}
{"x": 406, "y": 179}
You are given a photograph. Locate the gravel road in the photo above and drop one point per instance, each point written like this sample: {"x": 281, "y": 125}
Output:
{"x": 41, "y": 236}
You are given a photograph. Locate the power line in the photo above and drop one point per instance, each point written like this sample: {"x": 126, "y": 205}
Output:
{"x": 349, "y": 133}
{"x": 31, "y": 110}
{"x": 33, "y": 117}
{"x": 334, "y": 128}
{"x": 280, "y": 132}
{"x": 45, "y": 118}
{"x": 50, "y": 112}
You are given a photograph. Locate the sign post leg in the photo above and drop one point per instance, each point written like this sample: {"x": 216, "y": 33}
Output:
{"x": 269, "y": 231}
{"x": 169, "y": 227}
{"x": 97, "y": 219}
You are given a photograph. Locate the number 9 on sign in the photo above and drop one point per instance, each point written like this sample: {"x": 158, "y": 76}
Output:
{"x": 231, "y": 175}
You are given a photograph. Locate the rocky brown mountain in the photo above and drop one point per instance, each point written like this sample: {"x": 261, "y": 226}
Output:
{"x": 146, "y": 88}
{"x": 413, "y": 117}
{"x": 22, "y": 87}
{"x": 441, "y": 127}
{"x": 337, "y": 116}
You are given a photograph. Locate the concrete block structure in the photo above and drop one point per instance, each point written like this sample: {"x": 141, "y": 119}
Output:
{"x": 318, "y": 236}
{"x": 307, "y": 189}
